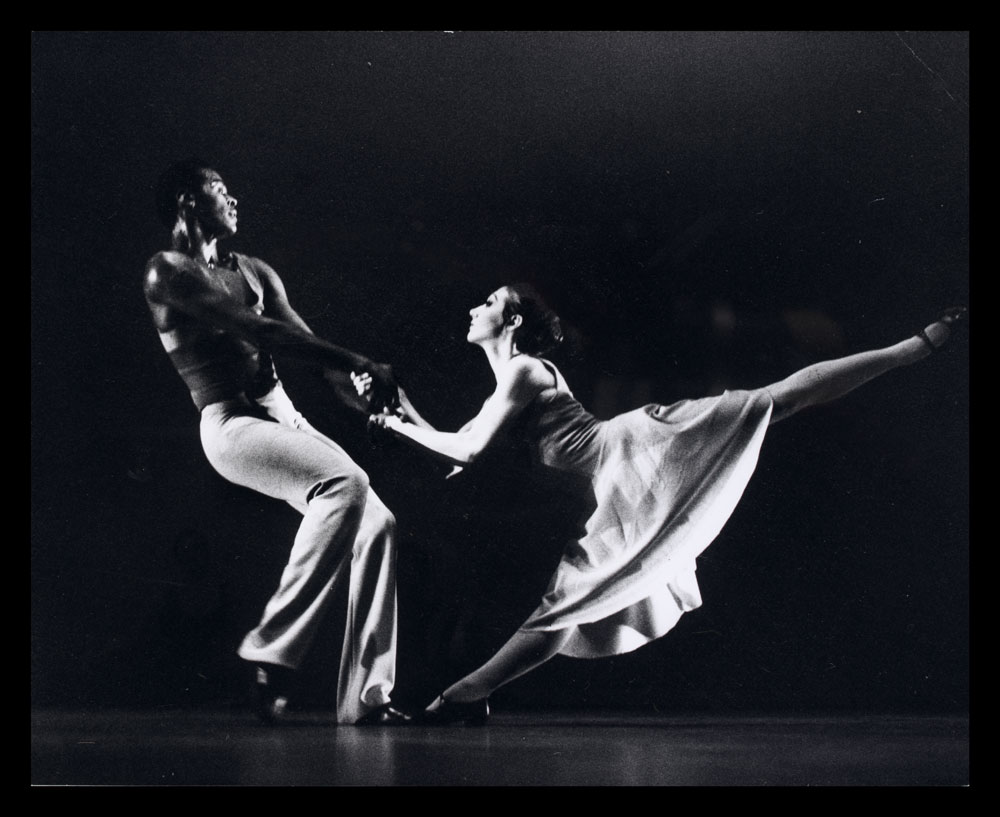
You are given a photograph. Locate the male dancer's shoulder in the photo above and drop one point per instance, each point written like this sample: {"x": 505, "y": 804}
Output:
{"x": 162, "y": 268}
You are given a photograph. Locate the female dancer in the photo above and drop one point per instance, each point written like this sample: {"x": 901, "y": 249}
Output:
{"x": 664, "y": 480}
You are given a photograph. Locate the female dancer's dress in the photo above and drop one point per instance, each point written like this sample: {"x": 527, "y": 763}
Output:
{"x": 665, "y": 480}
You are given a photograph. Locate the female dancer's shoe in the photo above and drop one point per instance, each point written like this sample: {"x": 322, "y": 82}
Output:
{"x": 950, "y": 317}
{"x": 444, "y": 712}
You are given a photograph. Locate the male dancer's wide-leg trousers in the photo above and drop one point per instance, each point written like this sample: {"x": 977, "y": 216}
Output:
{"x": 347, "y": 533}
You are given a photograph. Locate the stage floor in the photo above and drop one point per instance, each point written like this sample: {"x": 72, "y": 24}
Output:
{"x": 206, "y": 748}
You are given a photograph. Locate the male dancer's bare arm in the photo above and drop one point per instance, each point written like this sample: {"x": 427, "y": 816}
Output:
{"x": 173, "y": 280}
{"x": 276, "y": 304}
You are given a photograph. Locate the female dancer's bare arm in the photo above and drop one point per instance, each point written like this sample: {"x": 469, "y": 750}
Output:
{"x": 516, "y": 387}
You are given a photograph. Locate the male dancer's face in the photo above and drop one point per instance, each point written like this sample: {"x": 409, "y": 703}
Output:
{"x": 214, "y": 208}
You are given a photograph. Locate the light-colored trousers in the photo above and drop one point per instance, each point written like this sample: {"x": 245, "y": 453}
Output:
{"x": 347, "y": 533}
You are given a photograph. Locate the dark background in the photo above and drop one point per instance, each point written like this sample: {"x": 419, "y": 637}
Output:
{"x": 704, "y": 209}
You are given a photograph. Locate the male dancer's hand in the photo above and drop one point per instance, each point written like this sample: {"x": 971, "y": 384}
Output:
{"x": 381, "y": 404}
{"x": 383, "y": 391}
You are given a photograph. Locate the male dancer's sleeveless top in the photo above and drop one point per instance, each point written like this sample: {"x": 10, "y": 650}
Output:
{"x": 216, "y": 364}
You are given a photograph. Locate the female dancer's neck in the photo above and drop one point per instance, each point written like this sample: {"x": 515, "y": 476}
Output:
{"x": 499, "y": 352}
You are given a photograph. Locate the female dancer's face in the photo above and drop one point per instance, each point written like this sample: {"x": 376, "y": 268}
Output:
{"x": 487, "y": 319}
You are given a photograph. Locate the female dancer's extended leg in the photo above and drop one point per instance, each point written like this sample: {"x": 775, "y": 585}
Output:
{"x": 830, "y": 379}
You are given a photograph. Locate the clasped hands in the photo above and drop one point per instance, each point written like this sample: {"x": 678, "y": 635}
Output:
{"x": 386, "y": 419}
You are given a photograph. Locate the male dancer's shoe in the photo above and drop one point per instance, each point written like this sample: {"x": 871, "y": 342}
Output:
{"x": 270, "y": 692}
{"x": 385, "y": 715}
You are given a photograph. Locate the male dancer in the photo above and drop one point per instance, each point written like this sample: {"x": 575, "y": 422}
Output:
{"x": 219, "y": 318}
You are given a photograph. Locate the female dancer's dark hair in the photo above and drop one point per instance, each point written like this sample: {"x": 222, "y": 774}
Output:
{"x": 540, "y": 332}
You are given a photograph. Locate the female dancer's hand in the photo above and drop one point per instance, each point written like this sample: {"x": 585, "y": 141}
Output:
{"x": 405, "y": 409}
{"x": 381, "y": 427}
{"x": 385, "y": 420}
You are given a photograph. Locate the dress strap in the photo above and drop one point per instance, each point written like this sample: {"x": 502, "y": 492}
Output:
{"x": 561, "y": 384}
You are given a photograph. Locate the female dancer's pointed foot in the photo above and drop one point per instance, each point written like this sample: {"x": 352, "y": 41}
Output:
{"x": 443, "y": 712}
{"x": 938, "y": 333}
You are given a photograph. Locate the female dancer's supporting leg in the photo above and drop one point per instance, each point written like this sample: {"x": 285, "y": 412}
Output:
{"x": 524, "y": 651}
